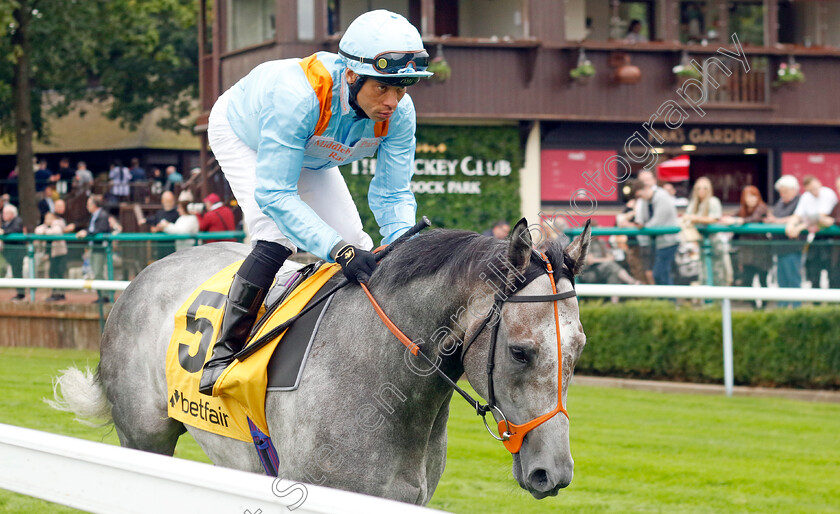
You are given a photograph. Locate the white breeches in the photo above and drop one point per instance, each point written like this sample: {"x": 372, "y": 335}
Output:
{"x": 325, "y": 190}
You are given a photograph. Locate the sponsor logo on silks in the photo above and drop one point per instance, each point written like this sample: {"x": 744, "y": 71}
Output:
{"x": 199, "y": 409}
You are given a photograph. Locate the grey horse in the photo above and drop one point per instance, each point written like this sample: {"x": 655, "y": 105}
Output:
{"x": 368, "y": 416}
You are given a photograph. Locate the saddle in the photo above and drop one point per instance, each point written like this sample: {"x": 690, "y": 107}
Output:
{"x": 276, "y": 366}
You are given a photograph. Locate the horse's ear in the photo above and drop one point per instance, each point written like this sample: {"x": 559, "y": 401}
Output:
{"x": 579, "y": 247}
{"x": 519, "y": 246}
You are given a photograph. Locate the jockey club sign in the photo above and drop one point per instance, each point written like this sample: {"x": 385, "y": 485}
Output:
{"x": 467, "y": 166}
{"x": 464, "y": 176}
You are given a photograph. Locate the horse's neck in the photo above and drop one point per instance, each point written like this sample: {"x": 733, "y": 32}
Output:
{"x": 427, "y": 314}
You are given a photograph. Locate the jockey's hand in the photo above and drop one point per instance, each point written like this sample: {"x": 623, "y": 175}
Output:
{"x": 357, "y": 264}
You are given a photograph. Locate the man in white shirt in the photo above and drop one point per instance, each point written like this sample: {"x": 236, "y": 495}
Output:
{"x": 815, "y": 203}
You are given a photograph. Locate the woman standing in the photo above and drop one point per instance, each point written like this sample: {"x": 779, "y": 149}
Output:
{"x": 704, "y": 208}
{"x": 754, "y": 259}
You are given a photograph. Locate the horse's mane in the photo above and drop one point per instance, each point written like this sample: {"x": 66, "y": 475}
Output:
{"x": 459, "y": 256}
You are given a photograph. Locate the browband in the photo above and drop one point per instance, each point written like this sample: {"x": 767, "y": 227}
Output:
{"x": 542, "y": 298}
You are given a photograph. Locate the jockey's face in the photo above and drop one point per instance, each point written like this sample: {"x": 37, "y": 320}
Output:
{"x": 378, "y": 100}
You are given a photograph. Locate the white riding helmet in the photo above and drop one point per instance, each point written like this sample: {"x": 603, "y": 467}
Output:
{"x": 385, "y": 46}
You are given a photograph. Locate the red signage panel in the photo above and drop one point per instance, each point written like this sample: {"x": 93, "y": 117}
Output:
{"x": 825, "y": 166}
{"x": 563, "y": 172}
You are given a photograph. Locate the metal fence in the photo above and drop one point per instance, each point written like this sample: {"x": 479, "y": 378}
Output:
{"x": 756, "y": 245}
{"x": 125, "y": 254}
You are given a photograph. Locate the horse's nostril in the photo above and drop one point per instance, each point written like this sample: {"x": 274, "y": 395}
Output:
{"x": 539, "y": 480}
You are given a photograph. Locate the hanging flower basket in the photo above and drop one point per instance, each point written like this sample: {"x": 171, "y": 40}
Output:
{"x": 686, "y": 72}
{"x": 583, "y": 71}
{"x": 440, "y": 68}
{"x": 789, "y": 73}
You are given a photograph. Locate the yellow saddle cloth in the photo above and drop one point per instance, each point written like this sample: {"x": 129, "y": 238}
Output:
{"x": 241, "y": 388}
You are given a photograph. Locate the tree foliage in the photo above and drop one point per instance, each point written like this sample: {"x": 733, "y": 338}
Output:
{"x": 132, "y": 55}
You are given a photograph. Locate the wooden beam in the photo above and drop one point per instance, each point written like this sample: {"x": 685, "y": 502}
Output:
{"x": 427, "y": 18}
{"x": 771, "y": 22}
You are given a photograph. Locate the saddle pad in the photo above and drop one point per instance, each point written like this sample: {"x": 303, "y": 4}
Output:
{"x": 288, "y": 360}
{"x": 241, "y": 388}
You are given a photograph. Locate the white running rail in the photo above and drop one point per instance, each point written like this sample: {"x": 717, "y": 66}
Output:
{"x": 727, "y": 294}
{"x": 108, "y": 479}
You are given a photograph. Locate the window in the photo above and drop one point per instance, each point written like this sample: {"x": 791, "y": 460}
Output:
{"x": 807, "y": 23}
{"x": 746, "y": 18}
{"x": 483, "y": 19}
{"x": 700, "y": 20}
{"x": 602, "y": 20}
{"x": 341, "y": 13}
{"x": 249, "y": 22}
{"x": 306, "y": 20}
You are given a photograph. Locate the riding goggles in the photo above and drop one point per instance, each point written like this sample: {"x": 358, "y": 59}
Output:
{"x": 393, "y": 63}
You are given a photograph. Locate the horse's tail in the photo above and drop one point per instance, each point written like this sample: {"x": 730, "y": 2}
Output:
{"x": 82, "y": 393}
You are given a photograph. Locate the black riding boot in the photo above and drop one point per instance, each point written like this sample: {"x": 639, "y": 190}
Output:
{"x": 247, "y": 292}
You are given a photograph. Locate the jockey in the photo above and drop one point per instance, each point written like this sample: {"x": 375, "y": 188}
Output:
{"x": 279, "y": 135}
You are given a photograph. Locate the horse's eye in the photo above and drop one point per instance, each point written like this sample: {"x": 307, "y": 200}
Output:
{"x": 519, "y": 355}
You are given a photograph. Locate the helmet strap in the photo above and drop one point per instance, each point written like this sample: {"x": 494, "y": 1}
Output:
{"x": 355, "y": 87}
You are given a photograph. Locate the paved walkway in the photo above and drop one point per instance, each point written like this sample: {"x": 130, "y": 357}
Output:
{"x": 811, "y": 395}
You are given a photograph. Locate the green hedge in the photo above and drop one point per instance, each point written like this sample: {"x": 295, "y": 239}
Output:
{"x": 645, "y": 339}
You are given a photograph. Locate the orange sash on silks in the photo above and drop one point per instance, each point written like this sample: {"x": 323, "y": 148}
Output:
{"x": 241, "y": 388}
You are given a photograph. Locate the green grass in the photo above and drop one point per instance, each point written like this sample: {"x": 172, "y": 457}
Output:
{"x": 634, "y": 451}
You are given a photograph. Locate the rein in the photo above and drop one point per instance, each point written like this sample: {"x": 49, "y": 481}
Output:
{"x": 511, "y": 434}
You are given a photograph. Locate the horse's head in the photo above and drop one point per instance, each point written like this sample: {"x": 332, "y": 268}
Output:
{"x": 530, "y": 373}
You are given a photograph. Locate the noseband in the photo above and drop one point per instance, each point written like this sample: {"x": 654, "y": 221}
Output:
{"x": 510, "y": 434}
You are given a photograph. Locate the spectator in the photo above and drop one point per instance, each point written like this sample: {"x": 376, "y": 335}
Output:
{"x": 172, "y": 178}
{"x": 217, "y": 217}
{"x": 64, "y": 177}
{"x": 834, "y": 219}
{"x": 156, "y": 187}
{"x": 47, "y": 203}
{"x": 99, "y": 224}
{"x": 61, "y": 212}
{"x": 602, "y": 268}
{"x": 138, "y": 174}
{"x": 663, "y": 214}
{"x": 54, "y": 225}
{"x": 499, "y": 230}
{"x": 168, "y": 213}
{"x": 42, "y": 176}
{"x": 552, "y": 228}
{"x": 83, "y": 179}
{"x": 788, "y": 256}
{"x": 754, "y": 259}
{"x": 14, "y": 252}
{"x": 634, "y": 33}
{"x": 119, "y": 178}
{"x": 704, "y": 208}
{"x": 643, "y": 212}
{"x": 633, "y": 256}
{"x": 187, "y": 223}
{"x": 816, "y": 202}
{"x": 679, "y": 200}
{"x": 12, "y": 183}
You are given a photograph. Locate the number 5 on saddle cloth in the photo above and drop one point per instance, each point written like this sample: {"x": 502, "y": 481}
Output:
{"x": 243, "y": 385}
